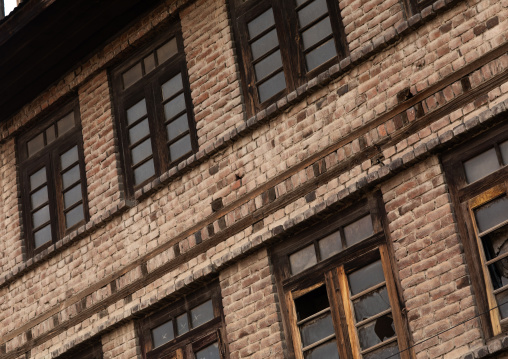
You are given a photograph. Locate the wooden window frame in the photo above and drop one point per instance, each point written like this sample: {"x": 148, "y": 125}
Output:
{"x": 466, "y": 197}
{"x": 184, "y": 346}
{"x": 332, "y": 272}
{"x": 290, "y": 44}
{"x": 148, "y": 88}
{"x": 49, "y": 157}
{"x": 85, "y": 351}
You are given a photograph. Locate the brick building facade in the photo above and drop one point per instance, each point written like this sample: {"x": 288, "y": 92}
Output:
{"x": 254, "y": 179}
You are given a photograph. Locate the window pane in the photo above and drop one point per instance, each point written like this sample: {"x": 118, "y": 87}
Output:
{"x": 317, "y": 329}
{"x": 74, "y": 216}
{"x": 166, "y": 51}
{"x": 210, "y": 352}
{"x": 366, "y": 277}
{"x": 172, "y": 86}
{"x": 42, "y": 236}
{"x": 358, "y": 230}
{"x": 330, "y": 245}
{"x": 50, "y": 134}
{"x": 41, "y": 216}
{"x": 132, "y": 75}
{"x": 182, "y": 324}
{"x": 71, "y": 176}
{"x": 376, "y": 332}
{"x": 65, "y": 124}
{"x": 139, "y": 131}
{"x": 72, "y": 196}
{"x": 264, "y": 44}
{"x": 144, "y": 172}
{"x": 504, "y": 152}
{"x": 320, "y": 55}
{"x": 492, "y": 214}
{"x": 303, "y": 259}
{"x": 261, "y": 23}
{"x": 327, "y": 350}
{"x": 177, "y": 127}
{"x": 35, "y": 144}
{"x": 390, "y": 351}
{"x": 272, "y": 87}
{"x": 499, "y": 270}
{"x": 316, "y": 33}
{"x": 69, "y": 157}
{"x": 141, "y": 151}
{"x": 180, "y": 147}
{"x": 311, "y": 303}
{"x": 371, "y": 304}
{"x": 40, "y": 197}
{"x": 481, "y": 165}
{"x": 311, "y": 12}
{"x": 202, "y": 314}
{"x": 502, "y": 302}
{"x": 174, "y": 107}
{"x": 163, "y": 334}
{"x": 38, "y": 178}
{"x": 149, "y": 62}
{"x": 268, "y": 65}
{"x": 135, "y": 112}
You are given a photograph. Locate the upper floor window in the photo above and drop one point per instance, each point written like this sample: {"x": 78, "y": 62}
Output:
{"x": 52, "y": 179}
{"x": 283, "y": 43}
{"x": 338, "y": 289}
{"x": 154, "y": 110}
{"x": 85, "y": 351}
{"x": 192, "y": 328}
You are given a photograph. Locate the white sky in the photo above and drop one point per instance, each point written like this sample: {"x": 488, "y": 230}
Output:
{"x": 9, "y": 6}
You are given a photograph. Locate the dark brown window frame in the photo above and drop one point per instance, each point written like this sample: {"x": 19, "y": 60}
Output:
{"x": 290, "y": 44}
{"x": 466, "y": 197}
{"x": 185, "y": 345}
{"x": 148, "y": 88}
{"x": 332, "y": 273}
{"x": 49, "y": 157}
{"x": 85, "y": 351}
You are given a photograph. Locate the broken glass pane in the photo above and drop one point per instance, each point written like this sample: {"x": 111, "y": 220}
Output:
{"x": 376, "y": 332}
{"x": 390, "y": 351}
{"x": 371, "y": 304}
{"x": 311, "y": 303}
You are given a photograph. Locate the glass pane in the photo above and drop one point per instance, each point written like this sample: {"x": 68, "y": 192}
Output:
{"x": 65, "y": 124}
{"x": 141, "y": 151}
{"x": 390, "y": 351}
{"x": 177, "y": 127}
{"x": 35, "y": 144}
{"x": 371, "y": 304}
{"x": 74, "y": 216}
{"x": 180, "y": 147}
{"x": 320, "y": 55}
{"x": 72, "y": 196}
{"x": 481, "y": 165}
{"x": 41, "y": 216}
{"x": 144, "y": 172}
{"x": 182, "y": 324}
{"x": 492, "y": 214}
{"x": 50, "y": 134}
{"x": 502, "y": 302}
{"x": 38, "y": 178}
{"x": 135, "y": 112}
{"x": 311, "y": 303}
{"x": 268, "y": 65}
{"x": 40, "y": 197}
{"x": 317, "y": 329}
{"x": 163, "y": 334}
{"x": 261, "y": 23}
{"x": 272, "y": 87}
{"x": 377, "y": 331}
{"x": 366, "y": 277}
{"x": 172, "y": 86}
{"x": 303, "y": 259}
{"x": 330, "y": 245}
{"x": 327, "y": 350}
{"x": 71, "y": 176}
{"x": 264, "y": 44}
{"x": 149, "y": 62}
{"x": 139, "y": 131}
{"x": 210, "y": 352}
{"x": 504, "y": 152}
{"x": 132, "y": 75}
{"x": 316, "y": 33}
{"x": 166, "y": 51}
{"x": 42, "y": 236}
{"x": 311, "y": 12}
{"x": 174, "y": 107}
{"x": 202, "y": 314}
{"x": 358, "y": 230}
{"x": 69, "y": 157}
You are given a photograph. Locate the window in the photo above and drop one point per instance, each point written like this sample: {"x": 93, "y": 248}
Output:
{"x": 339, "y": 293}
{"x": 283, "y": 43}
{"x": 478, "y": 177}
{"x": 85, "y": 351}
{"x": 53, "y": 182}
{"x": 192, "y": 328}
{"x": 154, "y": 110}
